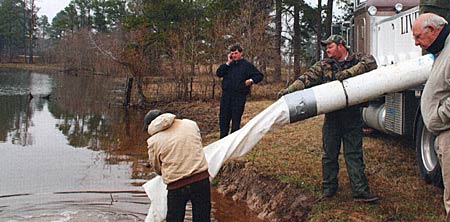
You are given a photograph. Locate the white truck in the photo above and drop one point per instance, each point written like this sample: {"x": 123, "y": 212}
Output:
{"x": 383, "y": 28}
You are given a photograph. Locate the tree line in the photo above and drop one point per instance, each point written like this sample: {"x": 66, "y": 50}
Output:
{"x": 169, "y": 47}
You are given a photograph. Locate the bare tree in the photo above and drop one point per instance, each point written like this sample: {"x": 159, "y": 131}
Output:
{"x": 278, "y": 30}
{"x": 216, "y": 35}
{"x": 250, "y": 29}
{"x": 319, "y": 29}
{"x": 297, "y": 40}
{"x": 131, "y": 55}
{"x": 329, "y": 18}
{"x": 32, "y": 11}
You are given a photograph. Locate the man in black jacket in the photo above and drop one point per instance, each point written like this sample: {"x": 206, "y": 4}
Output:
{"x": 238, "y": 75}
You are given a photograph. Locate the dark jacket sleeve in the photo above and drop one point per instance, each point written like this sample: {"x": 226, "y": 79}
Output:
{"x": 222, "y": 70}
{"x": 256, "y": 75}
{"x": 234, "y": 76}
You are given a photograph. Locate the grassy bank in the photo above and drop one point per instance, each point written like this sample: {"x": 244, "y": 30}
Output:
{"x": 292, "y": 154}
{"x": 32, "y": 67}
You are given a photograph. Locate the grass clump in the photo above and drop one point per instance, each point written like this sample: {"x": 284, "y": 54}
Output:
{"x": 292, "y": 154}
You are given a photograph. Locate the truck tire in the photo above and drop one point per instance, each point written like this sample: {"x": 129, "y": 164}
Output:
{"x": 427, "y": 160}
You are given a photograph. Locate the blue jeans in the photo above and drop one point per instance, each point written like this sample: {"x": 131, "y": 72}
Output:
{"x": 198, "y": 193}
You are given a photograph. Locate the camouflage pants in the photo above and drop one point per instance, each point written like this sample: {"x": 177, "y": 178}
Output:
{"x": 443, "y": 152}
{"x": 343, "y": 126}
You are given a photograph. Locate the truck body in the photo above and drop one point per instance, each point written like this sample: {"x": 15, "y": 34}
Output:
{"x": 383, "y": 29}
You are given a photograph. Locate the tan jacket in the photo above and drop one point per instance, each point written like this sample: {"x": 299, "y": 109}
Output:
{"x": 175, "y": 148}
{"x": 435, "y": 101}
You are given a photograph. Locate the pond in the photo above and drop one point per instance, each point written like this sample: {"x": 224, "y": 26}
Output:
{"x": 69, "y": 152}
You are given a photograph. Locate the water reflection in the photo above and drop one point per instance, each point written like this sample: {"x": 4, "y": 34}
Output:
{"x": 14, "y": 109}
{"x": 68, "y": 152}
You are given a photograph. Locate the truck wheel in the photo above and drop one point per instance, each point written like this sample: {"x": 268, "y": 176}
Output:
{"x": 429, "y": 167}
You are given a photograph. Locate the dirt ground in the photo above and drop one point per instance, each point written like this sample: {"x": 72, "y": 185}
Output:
{"x": 281, "y": 178}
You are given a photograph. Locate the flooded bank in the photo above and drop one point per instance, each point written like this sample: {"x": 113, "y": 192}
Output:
{"x": 69, "y": 153}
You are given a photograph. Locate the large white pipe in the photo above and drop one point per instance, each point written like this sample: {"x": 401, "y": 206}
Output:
{"x": 336, "y": 95}
{"x": 298, "y": 106}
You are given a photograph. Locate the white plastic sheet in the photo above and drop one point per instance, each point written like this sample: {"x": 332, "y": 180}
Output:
{"x": 234, "y": 145}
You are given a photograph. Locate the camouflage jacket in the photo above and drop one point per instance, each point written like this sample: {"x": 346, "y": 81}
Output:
{"x": 328, "y": 70}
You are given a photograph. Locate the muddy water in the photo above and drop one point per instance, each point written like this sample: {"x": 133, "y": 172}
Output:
{"x": 68, "y": 152}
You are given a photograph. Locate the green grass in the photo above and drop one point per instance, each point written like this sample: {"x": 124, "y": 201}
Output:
{"x": 293, "y": 155}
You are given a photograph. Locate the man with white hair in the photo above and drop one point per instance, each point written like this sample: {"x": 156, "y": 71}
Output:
{"x": 431, "y": 32}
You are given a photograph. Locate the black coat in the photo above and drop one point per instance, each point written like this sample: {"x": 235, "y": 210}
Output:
{"x": 235, "y": 75}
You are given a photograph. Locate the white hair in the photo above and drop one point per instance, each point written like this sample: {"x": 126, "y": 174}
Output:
{"x": 433, "y": 20}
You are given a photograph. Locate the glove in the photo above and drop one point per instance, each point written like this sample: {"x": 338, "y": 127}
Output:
{"x": 282, "y": 93}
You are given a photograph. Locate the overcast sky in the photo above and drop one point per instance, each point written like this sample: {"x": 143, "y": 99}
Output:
{"x": 51, "y": 7}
